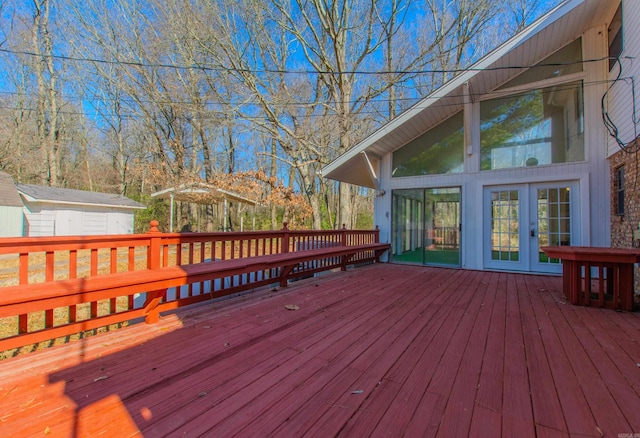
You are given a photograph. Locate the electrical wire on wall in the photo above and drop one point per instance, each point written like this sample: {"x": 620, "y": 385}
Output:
{"x": 632, "y": 145}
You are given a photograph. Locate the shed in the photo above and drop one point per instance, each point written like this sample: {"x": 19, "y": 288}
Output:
{"x": 11, "y": 216}
{"x": 200, "y": 193}
{"x": 54, "y": 211}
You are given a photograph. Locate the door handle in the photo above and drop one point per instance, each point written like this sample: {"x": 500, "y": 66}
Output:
{"x": 533, "y": 232}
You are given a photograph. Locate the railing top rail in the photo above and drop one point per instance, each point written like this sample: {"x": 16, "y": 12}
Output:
{"x": 12, "y": 245}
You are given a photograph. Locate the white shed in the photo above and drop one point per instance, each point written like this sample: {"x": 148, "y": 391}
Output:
{"x": 11, "y": 216}
{"x": 53, "y": 211}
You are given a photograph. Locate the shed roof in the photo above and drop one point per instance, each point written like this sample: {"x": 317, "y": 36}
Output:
{"x": 57, "y": 195}
{"x": 202, "y": 193}
{"x": 9, "y": 196}
{"x": 552, "y": 31}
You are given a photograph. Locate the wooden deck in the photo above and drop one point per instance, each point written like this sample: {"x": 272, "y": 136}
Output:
{"x": 382, "y": 350}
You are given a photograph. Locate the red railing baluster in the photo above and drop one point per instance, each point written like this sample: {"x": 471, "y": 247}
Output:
{"x": 49, "y": 276}
{"x": 73, "y": 273}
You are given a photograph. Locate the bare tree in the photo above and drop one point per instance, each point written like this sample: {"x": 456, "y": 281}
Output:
{"x": 47, "y": 105}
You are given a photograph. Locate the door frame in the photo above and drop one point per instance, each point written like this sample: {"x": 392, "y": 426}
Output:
{"x": 527, "y": 225}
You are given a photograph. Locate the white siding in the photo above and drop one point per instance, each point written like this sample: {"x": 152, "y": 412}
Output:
{"x": 39, "y": 221}
{"x": 11, "y": 221}
{"x": 620, "y": 102}
{"x": 68, "y": 221}
{"x": 119, "y": 222}
{"x": 94, "y": 222}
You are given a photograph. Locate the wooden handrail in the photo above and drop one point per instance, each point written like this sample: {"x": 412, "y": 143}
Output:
{"x": 116, "y": 272}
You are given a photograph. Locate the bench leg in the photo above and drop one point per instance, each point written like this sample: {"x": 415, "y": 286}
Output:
{"x": 152, "y": 315}
{"x": 625, "y": 291}
{"x": 284, "y": 273}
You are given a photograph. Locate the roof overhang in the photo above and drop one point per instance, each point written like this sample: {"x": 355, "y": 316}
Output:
{"x": 552, "y": 31}
{"x": 202, "y": 193}
{"x": 31, "y": 200}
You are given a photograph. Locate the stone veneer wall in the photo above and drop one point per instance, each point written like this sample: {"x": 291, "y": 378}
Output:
{"x": 622, "y": 227}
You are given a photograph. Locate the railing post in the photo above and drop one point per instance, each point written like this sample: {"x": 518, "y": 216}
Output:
{"x": 154, "y": 249}
{"x": 376, "y": 235}
{"x": 154, "y": 252}
{"x": 343, "y": 242}
{"x": 284, "y": 248}
{"x": 343, "y": 237}
{"x": 285, "y": 238}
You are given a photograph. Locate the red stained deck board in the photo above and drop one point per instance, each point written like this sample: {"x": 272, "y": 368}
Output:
{"x": 325, "y": 404}
{"x": 427, "y": 417}
{"x": 348, "y": 405}
{"x": 517, "y": 412}
{"x": 293, "y": 371}
{"x": 485, "y": 422}
{"x": 212, "y": 342}
{"x": 182, "y": 398}
{"x": 623, "y": 335}
{"x": 608, "y": 359}
{"x": 601, "y": 403}
{"x": 457, "y": 417}
{"x": 574, "y": 407}
{"x": 622, "y": 349}
{"x": 299, "y": 360}
{"x": 373, "y": 364}
{"x": 323, "y": 343}
{"x": 490, "y": 390}
{"x": 397, "y": 411}
{"x": 440, "y": 318}
{"x": 354, "y": 346}
{"x": 409, "y": 398}
{"x": 544, "y": 398}
{"x": 433, "y": 360}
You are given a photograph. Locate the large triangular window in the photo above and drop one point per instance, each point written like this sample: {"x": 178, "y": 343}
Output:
{"x": 438, "y": 151}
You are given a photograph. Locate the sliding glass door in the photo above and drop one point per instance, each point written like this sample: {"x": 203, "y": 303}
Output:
{"x": 426, "y": 226}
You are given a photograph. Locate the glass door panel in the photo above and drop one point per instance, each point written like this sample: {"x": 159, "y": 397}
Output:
{"x": 552, "y": 225}
{"x": 442, "y": 226}
{"x": 504, "y": 235}
{"x": 505, "y": 225}
{"x": 407, "y": 226}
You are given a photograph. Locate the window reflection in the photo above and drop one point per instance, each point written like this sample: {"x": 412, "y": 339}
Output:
{"x": 438, "y": 151}
{"x": 538, "y": 127}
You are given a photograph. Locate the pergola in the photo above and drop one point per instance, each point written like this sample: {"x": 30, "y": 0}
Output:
{"x": 201, "y": 193}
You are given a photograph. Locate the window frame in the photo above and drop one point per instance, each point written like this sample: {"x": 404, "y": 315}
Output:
{"x": 618, "y": 190}
{"x": 615, "y": 36}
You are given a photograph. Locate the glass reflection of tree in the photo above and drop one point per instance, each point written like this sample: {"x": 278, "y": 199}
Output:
{"x": 506, "y": 120}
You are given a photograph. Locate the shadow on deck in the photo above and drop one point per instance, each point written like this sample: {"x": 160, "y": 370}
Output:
{"x": 381, "y": 350}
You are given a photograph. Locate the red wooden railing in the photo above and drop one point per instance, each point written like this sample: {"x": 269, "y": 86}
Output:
{"x": 43, "y": 260}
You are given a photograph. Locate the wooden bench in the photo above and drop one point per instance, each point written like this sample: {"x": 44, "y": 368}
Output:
{"x": 23, "y": 299}
{"x": 599, "y": 277}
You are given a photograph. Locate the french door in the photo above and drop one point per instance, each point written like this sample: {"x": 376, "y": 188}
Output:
{"x": 519, "y": 219}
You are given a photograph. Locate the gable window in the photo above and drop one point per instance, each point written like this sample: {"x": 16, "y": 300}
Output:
{"x": 538, "y": 127}
{"x": 565, "y": 61}
{"x": 618, "y": 189}
{"x": 615, "y": 37}
{"x": 438, "y": 151}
